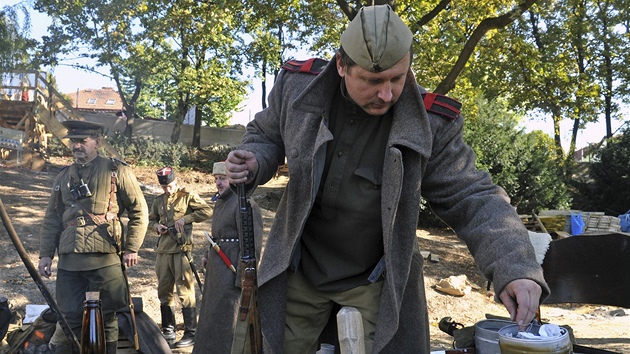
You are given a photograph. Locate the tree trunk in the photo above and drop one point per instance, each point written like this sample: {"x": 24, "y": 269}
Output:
{"x": 488, "y": 24}
{"x": 179, "y": 120}
{"x": 263, "y": 84}
{"x": 196, "y": 142}
{"x": 130, "y": 112}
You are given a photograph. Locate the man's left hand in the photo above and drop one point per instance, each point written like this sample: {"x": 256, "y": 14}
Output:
{"x": 130, "y": 259}
{"x": 521, "y": 298}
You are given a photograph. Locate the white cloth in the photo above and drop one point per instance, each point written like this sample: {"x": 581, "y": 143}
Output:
{"x": 540, "y": 242}
{"x": 32, "y": 312}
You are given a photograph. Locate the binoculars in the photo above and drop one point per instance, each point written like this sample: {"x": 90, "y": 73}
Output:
{"x": 81, "y": 191}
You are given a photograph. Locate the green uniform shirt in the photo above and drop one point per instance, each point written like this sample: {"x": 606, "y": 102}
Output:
{"x": 342, "y": 240}
{"x": 87, "y": 247}
{"x": 168, "y": 209}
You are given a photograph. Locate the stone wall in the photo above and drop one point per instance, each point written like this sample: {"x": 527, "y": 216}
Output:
{"x": 162, "y": 130}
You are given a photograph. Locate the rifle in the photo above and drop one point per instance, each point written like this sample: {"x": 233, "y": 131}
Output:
{"x": 248, "y": 310}
{"x": 177, "y": 237}
{"x": 74, "y": 341}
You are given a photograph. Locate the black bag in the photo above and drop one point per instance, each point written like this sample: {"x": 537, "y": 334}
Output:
{"x": 5, "y": 316}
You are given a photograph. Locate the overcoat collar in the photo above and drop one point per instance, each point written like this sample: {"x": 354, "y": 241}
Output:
{"x": 410, "y": 119}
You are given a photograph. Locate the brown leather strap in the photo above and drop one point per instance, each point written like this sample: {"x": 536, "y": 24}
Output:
{"x": 82, "y": 221}
{"x": 113, "y": 189}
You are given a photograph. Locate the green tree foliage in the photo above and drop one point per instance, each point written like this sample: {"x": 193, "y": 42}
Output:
{"x": 202, "y": 54}
{"x": 182, "y": 51}
{"x": 105, "y": 32}
{"x": 271, "y": 29}
{"x": 15, "y": 44}
{"x": 562, "y": 59}
{"x": 611, "y": 26}
{"x": 524, "y": 164}
{"x": 607, "y": 185}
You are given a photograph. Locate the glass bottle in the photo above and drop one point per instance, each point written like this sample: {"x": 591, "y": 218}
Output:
{"x": 93, "y": 329}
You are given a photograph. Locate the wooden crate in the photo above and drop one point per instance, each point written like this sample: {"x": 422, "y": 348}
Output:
{"x": 125, "y": 346}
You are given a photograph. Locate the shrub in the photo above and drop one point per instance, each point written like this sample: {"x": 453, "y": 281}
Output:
{"x": 151, "y": 152}
{"x": 607, "y": 186}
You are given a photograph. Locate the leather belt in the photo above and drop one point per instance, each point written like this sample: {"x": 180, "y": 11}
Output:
{"x": 79, "y": 221}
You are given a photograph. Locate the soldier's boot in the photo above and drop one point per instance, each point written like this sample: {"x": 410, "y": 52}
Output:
{"x": 190, "y": 324}
{"x": 110, "y": 347}
{"x": 168, "y": 324}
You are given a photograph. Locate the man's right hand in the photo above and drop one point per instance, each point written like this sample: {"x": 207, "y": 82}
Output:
{"x": 241, "y": 166}
{"x": 204, "y": 262}
{"x": 45, "y": 267}
{"x": 161, "y": 229}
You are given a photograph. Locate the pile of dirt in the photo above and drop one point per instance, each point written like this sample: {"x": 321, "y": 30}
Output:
{"x": 25, "y": 195}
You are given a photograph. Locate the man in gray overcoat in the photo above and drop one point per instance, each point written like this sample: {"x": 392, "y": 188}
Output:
{"x": 362, "y": 146}
{"x": 222, "y": 286}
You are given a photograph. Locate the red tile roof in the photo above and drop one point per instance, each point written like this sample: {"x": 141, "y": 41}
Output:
{"x": 100, "y": 100}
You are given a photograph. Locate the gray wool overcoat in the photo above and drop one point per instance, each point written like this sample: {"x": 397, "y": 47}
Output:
{"x": 425, "y": 155}
{"x": 222, "y": 288}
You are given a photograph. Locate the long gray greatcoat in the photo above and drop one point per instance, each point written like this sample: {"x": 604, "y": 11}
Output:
{"x": 222, "y": 287}
{"x": 425, "y": 155}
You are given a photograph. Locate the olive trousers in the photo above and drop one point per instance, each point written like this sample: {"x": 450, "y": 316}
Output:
{"x": 175, "y": 276}
{"x": 71, "y": 287}
{"x": 308, "y": 310}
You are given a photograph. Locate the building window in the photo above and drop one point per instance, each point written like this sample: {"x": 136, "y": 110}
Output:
{"x": 110, "y": 102}
{"x": 91, "y": 101}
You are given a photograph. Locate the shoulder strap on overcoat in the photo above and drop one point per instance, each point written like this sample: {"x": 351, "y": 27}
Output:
{"x": 310, "y": 66}
{"x": 442, "y": 105}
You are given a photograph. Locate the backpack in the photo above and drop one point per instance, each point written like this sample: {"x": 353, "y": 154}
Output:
{"x": 34, "y": 338}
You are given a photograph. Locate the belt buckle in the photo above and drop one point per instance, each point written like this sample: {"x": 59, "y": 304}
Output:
{"x": 80, "y": 221}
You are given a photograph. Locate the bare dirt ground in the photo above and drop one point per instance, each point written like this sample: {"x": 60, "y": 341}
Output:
{"x": 25, "y": 195}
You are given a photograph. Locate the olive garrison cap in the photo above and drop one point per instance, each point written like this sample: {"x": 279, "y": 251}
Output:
{"x": 219, "y": 168}
{"x": 377, "y": 38}
{"x": 165, "y": 175}
{"x": 80, "y": 129}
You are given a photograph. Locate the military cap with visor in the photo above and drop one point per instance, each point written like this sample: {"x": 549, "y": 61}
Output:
{"x": 165, "y": 175}
{"x": 80, "y": 129}
{"x": 377, "y": 38}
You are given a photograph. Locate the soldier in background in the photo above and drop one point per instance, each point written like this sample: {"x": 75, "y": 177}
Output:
{"x": 222, "y": 287}
{"x": 171, "y": 216}
{"x": 82, "y": 224}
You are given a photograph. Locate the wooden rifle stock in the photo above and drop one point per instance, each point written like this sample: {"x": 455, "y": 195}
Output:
{"x": 248, "y": 310}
